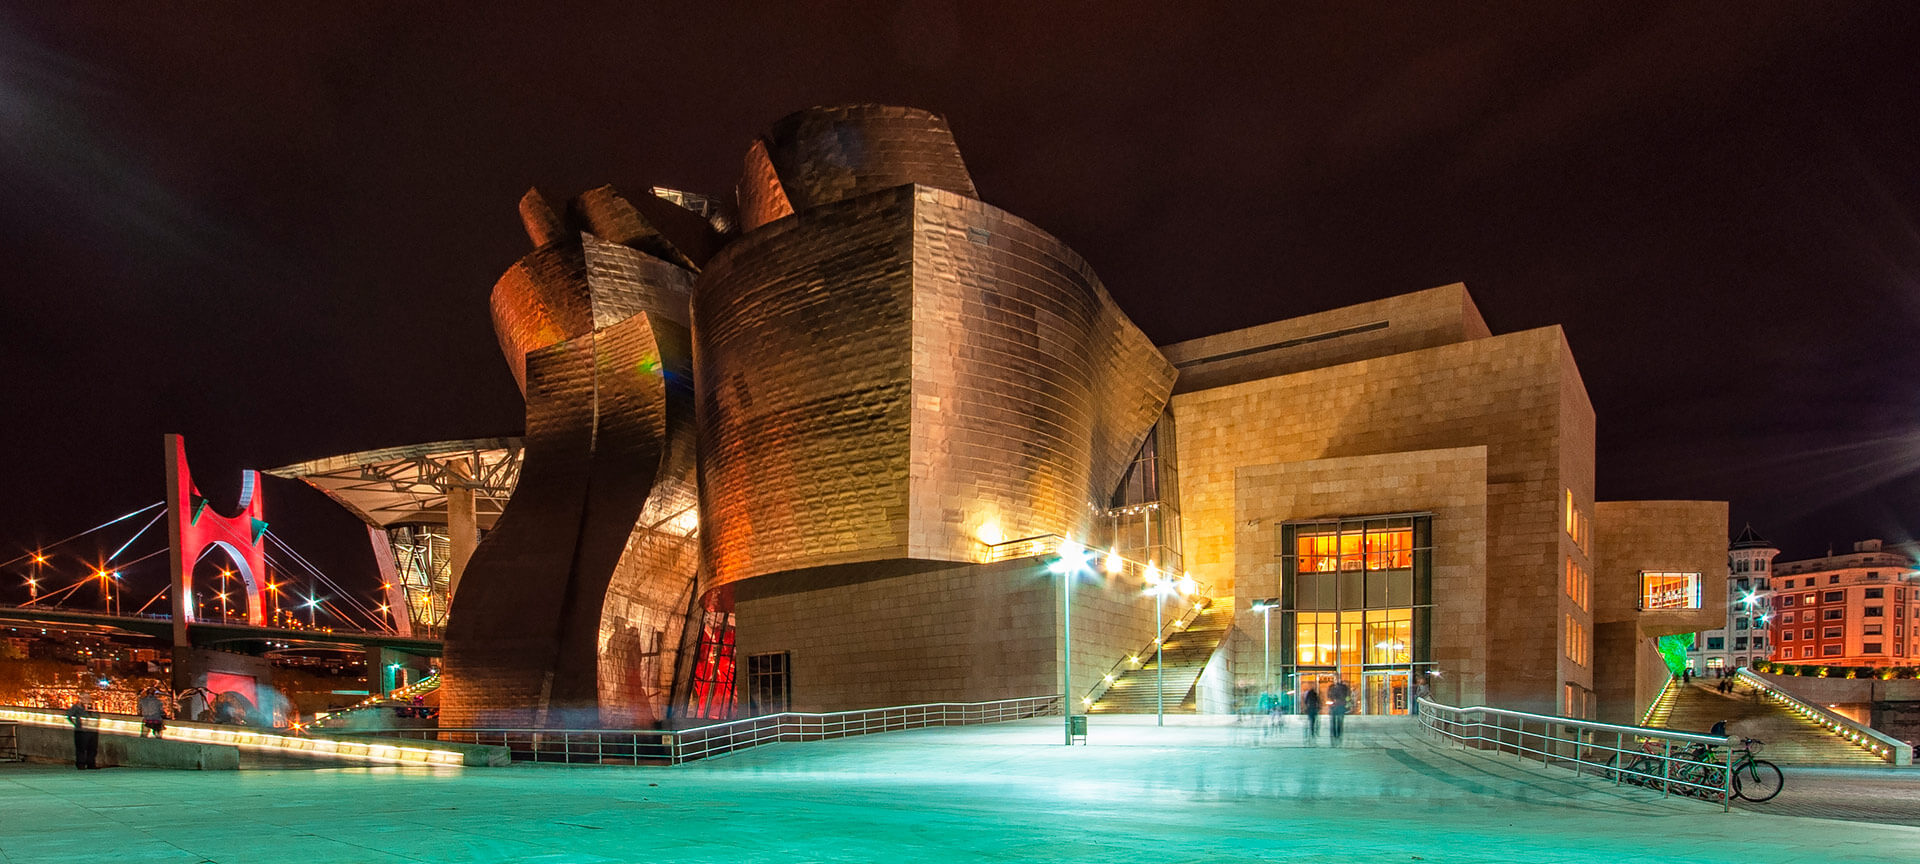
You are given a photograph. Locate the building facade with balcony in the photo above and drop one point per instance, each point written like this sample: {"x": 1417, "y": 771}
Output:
{"x": 1853, "y": 609}
{"x": 1743, "y": 638}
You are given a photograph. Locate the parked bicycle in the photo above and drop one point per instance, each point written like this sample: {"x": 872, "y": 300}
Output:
{"x": 1697, "y": 771}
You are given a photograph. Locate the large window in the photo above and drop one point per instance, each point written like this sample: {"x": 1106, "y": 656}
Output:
{"x": 1356, "y": 601}
{"x": 1669, "y": 590}
{"x": 767, "y": 683}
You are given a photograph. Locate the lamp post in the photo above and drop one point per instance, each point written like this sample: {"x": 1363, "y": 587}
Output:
{"x": 1072, "y": 557}
{"x": 1159, "y": 586}
{"x": 1265, "y": 608}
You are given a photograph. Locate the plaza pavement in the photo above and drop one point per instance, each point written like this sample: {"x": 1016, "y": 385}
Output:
{"x": 1198, "y": 790}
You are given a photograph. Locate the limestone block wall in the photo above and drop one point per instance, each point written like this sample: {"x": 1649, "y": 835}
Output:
{"x": 1508, "y": 394}
{"x": 1395, "y": 325}
{"x": 1686, "y": 536}
{"x": 879, "y": 635}
{"x": 1632, "y": 536}
{"x": 1450, "y": 483}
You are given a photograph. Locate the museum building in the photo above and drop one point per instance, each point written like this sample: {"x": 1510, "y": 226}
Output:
{"x": 859, "y": 438}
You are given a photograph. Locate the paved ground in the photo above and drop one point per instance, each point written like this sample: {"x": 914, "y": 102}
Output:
{"x": 1883, "y": 795}
{"x": 1216, "y": 793}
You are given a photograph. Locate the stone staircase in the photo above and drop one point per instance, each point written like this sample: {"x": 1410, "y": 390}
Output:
{"x": 1789, "y": 738}
{"x": 1186, "y": 654}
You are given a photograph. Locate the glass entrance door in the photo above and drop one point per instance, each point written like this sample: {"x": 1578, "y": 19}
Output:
{"x": 1386, "y": 692}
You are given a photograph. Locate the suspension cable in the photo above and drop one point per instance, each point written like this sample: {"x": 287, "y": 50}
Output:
{"x": 26, "y": 555}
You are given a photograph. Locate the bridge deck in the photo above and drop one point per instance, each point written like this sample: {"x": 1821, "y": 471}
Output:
{"x": 1007, "y": 793}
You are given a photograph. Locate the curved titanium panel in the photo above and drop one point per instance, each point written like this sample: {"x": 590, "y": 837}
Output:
{"x": 823, "y": 155}
{"x": 759, "y": 195}
{"x": 564, "y": 290}
{"x": 523, "y": 638}
{"x": 901, "y": 375}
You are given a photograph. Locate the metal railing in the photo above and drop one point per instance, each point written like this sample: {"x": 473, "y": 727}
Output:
{"x": 1139, "y": 661}
{"x": 673, "y": 747}
{"x": 1873, "y": 741}
{"x": 1674, "y": 762}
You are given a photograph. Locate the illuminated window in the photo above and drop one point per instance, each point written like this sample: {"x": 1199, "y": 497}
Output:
{"x": 768, "y": 683}
{"x": 1668, "y": 590}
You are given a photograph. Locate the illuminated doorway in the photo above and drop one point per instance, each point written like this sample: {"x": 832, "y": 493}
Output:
{"x": 1356, "y": 600}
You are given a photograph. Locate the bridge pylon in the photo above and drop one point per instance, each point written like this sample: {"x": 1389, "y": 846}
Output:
{"x": 193, "y": 525}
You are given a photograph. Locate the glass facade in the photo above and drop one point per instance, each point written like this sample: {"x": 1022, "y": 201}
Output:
{"x": 1356, "y": 599}
{"x": 1142, "y": 521}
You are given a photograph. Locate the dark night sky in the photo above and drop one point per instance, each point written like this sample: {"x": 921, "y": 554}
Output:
{"x": 276, "y": 231}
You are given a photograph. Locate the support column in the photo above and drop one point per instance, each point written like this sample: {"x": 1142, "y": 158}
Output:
{"x": 463, "y": 528}
{"x": 402, "y": 611}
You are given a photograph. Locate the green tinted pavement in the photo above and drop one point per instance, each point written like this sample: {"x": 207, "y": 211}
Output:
{"x": 1196, "y": 791}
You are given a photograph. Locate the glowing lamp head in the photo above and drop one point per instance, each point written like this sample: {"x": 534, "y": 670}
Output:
{"x": 1113, "y": 562}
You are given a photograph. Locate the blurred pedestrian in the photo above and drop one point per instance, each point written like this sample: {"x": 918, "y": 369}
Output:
{"x": 153, "y": 713}
{"x": 86, "y": 733}
{"x": 1310, "y": 706}
{"x": 1337, "y": 708}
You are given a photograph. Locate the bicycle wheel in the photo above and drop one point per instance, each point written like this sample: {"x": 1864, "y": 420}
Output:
{"x": 1645, "y": 771}
{"x": 1758, "y": 780}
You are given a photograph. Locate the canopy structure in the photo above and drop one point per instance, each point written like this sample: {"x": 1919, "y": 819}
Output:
{"x": 410, "y": 485}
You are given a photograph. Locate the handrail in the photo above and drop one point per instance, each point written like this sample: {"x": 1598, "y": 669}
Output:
{"x": 1868, "y": 738}
{"x": 1106, "y": 682}
{"x": 1582, "y": 745}
{"x": 718, "y": 739}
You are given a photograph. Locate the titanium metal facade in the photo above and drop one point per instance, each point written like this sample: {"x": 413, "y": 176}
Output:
{"x": 901, "y": 373}
{"x": 864, "y": 366}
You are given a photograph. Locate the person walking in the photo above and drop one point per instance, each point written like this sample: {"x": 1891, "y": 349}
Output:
{"x": 86, "y": 737}
{"x": 1310, "y": 706}
{"x": 1337, "y": 709}
{"x": 153, "y": 713}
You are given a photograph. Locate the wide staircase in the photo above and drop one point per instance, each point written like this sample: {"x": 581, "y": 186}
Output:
{"x": 1134, "y": 690}
{"x": 1789, "y": 738}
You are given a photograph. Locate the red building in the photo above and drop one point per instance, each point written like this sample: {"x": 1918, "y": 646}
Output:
{"x": 1856, "y": 609}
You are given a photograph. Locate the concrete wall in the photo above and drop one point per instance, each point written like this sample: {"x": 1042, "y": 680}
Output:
{"x": 1517, "y": 396}
{"x": 866, "y": 637}
{"x": 55, "y": 744}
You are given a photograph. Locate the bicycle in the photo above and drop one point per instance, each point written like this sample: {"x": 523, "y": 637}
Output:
{"x": 1696, "y": 772}
{"x": 1754, "y": 779}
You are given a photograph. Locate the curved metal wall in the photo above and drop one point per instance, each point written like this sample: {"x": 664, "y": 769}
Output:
{"x": 902, "y": 376}
{"x": 823, "y": 155}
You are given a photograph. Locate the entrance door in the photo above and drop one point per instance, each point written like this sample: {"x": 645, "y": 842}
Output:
{"x": 1386, "y": 692}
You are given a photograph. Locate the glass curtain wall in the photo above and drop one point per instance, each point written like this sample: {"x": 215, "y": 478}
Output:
{"x": 1142, "y": 520}
{"x": 1356, "y": 599}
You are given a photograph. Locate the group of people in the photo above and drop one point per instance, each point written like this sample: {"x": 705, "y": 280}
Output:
{"x": 86, "y": 725}
{"x": 1335, "y": 703}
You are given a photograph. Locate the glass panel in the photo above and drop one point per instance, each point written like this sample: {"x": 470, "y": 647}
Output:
{"x": 1399, "y": 588}
{"x": 1376, "y": 590}
{"x": 1352, "y": 590}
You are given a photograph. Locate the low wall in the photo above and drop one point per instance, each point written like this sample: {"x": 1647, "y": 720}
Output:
{"x": 471, "y": 755}
{"x": 54, "y": 744}
{"x": 1892, "y": 707}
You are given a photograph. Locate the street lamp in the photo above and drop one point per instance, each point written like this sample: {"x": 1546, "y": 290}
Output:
{"x": 1265, "y": 608}
{"x": 312, "y": 604}
{"x": 1160, "y": 586}
{"x": 1073, "y": 558}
